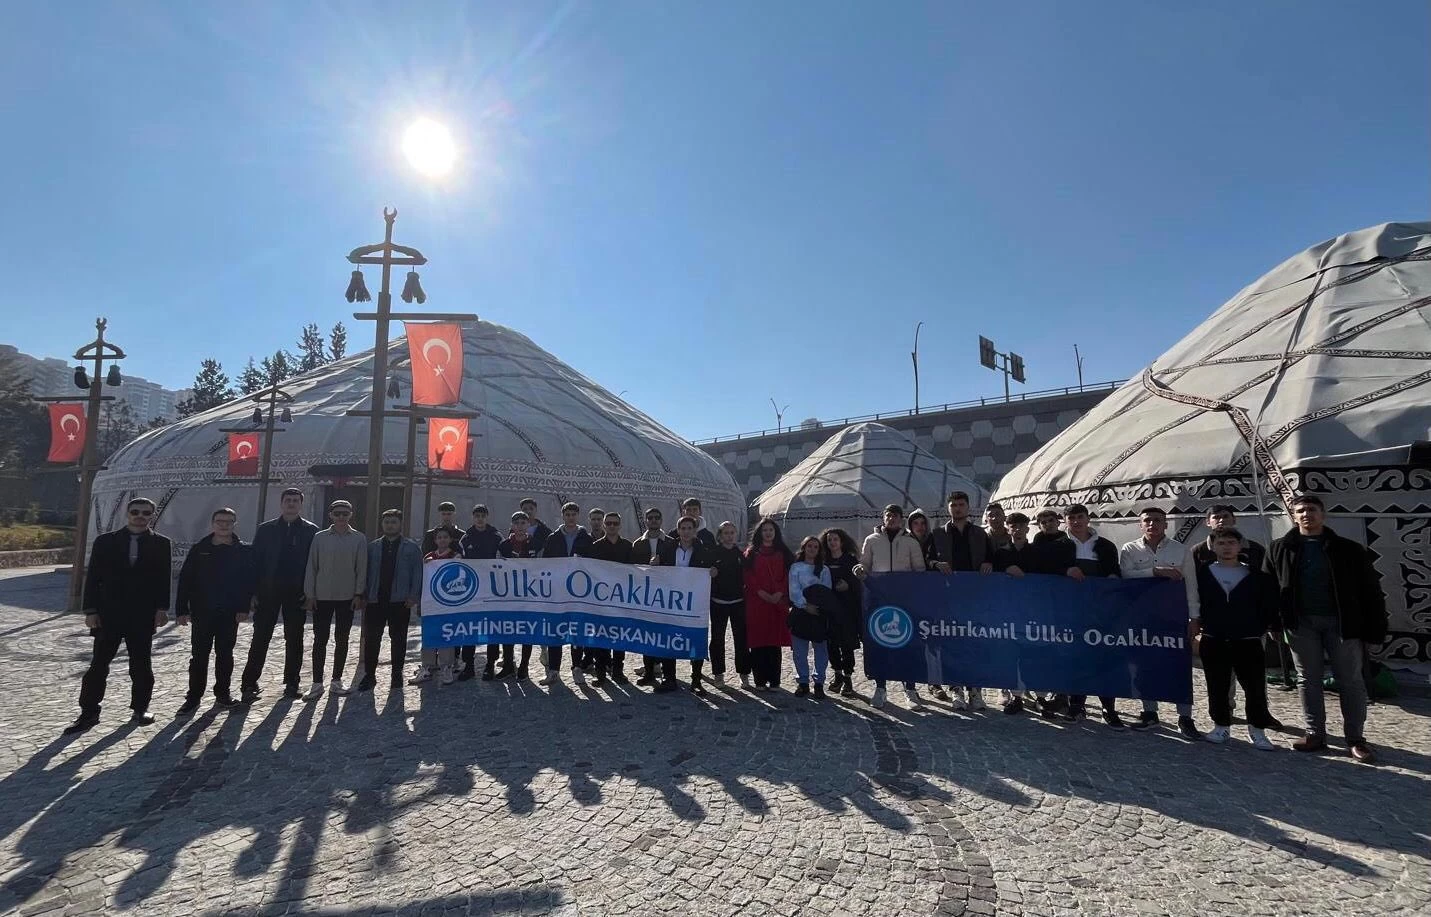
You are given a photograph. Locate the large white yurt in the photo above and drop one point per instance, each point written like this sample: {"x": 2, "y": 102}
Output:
{"x": 849, "y": 480}
{"x": 544, "y": 431}
{"x": 1313, "y": 379}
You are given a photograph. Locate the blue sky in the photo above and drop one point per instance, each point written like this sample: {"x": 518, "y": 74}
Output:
{"x": 739, "y": 199}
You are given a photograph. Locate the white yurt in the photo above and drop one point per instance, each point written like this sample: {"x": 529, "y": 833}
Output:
{"x": 1313, "y": 379}
{"x": 544, "y": 431}
{"x": 849, "y": 480}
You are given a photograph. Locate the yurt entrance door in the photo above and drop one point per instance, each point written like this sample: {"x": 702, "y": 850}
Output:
{"x": 357, "y": 494}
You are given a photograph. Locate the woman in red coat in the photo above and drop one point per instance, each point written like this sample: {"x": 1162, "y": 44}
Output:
{"x": 767, "y": 579}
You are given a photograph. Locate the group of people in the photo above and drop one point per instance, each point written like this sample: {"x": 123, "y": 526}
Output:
{"x": 1311, "y": 590}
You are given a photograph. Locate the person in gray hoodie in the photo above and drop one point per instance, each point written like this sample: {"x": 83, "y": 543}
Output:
{"x": 333, "y": 584}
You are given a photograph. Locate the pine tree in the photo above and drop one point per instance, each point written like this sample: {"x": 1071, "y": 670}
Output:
{"x": 251, "y": 379}
{"x": 211, "y": 389}
{"x": 26, "y": 427}
{"x": 278, "y": 367}
{"x": 337, "y": 342}
{"x": 311, "y": 348}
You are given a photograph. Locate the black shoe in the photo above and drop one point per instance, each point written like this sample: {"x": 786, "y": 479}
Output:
{"x": 1188, "y": 728}
{"x": 142, "y": 718}
{"x": 291, "y": 693}
{"x": 523, "y": 673}
{"x": 1145, "y": 719}
{"x": 1053, "y": 707}
{"x": 225, "y": 702}
{"x": 619, "y": 676}
{"x": 85, "y": 722}
{"x": 1014, "y": 706}
{"x": 1073, "y": 713}
{"x": 819, "y": 692}
{"x": 188, "y": 708}
{"x": 848, "y": 690}
{"x": 697, "y": 688}
{"x": 368, "y": 683}
{"x": 489, "y": 673}
{"x": 468, "y": 673}
{"x": 646, "y": 681}
{"x": 1112, "y": 718}
{"x": 249, "y": 695}
{"x": 600, "y": 681}
{"x": 802, "y": 690}
{"x": 667, "y": 687}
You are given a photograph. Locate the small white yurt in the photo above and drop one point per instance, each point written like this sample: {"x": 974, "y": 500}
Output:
{"x": 544, "y": 431}
{"x": 1316, "y": 378}
{"x": 849, "y": 480}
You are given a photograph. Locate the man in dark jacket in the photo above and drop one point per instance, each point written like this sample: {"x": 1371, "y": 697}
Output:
{"x": 1332, "y": 605}
{"x": 960, "y": 546}
{"x": 446, "y": 512}
{"x": 613, "y": 548}
{"x": 280, "y": 553}
{"x": 685, "y": 550}
{"x": 691, "y": 509}
{"x": 393, "y": 589}
{"x": 216, "y": 587}
{"x": 1093, "y": 555}
{"x": 646, "y": 550}
{"x": 568, "y": 540}
{"x": 479, "y": 542}
{"x": 537, "y": 530}
{"x": 126, "y": 597}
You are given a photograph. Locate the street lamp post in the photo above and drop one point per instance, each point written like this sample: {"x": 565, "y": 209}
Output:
{"x": 915, "y": 356}
{"x": 268, "y": 398}
{"x": 99, "y": 351}
{"x": 779, "y": 414}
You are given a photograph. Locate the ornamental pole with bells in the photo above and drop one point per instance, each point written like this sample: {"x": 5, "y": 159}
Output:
{"x": 99, "y": 351}
{"x": 386, "y": 254}
{"x": 264, "y": 398}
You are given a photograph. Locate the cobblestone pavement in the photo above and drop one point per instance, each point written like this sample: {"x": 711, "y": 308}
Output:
{"x": 486, "y": 798}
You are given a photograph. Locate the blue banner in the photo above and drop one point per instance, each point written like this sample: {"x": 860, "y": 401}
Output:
{"x": 1110, "y": 637}
{"x": 656, "y": 611}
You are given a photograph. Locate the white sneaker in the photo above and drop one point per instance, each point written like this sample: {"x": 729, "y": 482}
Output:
{"x": 745, "y": 682}
{"x": 976, "y": 699}
{"x": 1217, "y": 735}
{"x": 422, "y": 675}
{"x": 447, "y": 675}
{"x": 551, "y": 678}
{"x": 336, "y": 686}
{"x": 878, "y": 700}
{"x": 578, "y": 676}
{"x": 1260, "y": 740}
{"x": 315, "y": 692}
{"x": 912, "y": 695}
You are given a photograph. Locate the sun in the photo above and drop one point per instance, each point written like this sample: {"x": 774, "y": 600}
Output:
{"x": 429, "y": 148}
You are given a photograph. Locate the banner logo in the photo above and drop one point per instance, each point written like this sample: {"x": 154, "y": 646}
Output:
{"x": 890, "y": 627}
{"x": 454, "y": 584}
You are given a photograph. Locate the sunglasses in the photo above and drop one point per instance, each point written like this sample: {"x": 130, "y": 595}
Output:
{"x": 141, "y": 512}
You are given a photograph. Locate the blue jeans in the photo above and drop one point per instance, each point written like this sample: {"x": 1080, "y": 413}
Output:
{"x": 800, "y": 650}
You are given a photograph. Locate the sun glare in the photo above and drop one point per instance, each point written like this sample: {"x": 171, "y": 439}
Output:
{"x": 429, "y": 148}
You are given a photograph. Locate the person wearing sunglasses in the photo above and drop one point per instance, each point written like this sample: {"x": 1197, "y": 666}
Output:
{"x": 126, "y": 598}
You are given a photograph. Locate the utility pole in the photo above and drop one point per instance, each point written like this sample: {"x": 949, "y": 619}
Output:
{"x": 779, "y": 414}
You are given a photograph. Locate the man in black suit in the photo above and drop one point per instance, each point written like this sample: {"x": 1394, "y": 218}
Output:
{"x": 126, "y": 597}
{"x": 685, "y": 550}
{"x": 617, "y": 550}
{"x": 280, "y": 556}
{"x": 646, "y": 550}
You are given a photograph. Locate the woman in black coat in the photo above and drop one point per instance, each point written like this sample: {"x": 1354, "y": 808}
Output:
{"x": 844, "y": 638}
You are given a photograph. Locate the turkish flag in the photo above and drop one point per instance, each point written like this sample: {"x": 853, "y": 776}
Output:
{"x": 67, "y": 429}
{"x": 435, "y": 352}
{"x": 447, "y": 445}
{"x": 243, "y": 455}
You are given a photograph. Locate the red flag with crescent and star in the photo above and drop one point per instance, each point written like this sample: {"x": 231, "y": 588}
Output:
{"x": 243, "y": 455}
{"x": 67, "y": 429}
{"x": 447, "y": 445}
{"x": 435, "y": 354}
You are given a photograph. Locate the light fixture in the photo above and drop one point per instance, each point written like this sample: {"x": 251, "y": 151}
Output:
{"x": 286, "y": 416}
{"x": 357, "y": 290}
{"x": 258, "y": 415}
{"x": 112, "y": 377}
{"x": 394, "y": 390}
{"x": 81, "y": 377}
{"x": 413, "y": 289}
